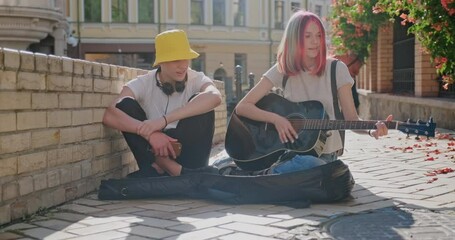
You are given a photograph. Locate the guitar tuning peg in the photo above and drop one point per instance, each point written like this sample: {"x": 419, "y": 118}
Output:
{"x": 420, "y": 121}
{"x": 431, "y": 120}
{"x": 417, "y": 137}
{"x": 408, "y": 121}
{"x": 407, "y": 135}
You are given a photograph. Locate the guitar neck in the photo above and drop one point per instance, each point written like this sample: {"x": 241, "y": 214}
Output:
{"x": 325, "y": 124}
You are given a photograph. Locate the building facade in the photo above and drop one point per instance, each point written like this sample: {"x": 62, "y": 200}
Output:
{"x": 226, "y": 33}
{"x": 37, "y": 26}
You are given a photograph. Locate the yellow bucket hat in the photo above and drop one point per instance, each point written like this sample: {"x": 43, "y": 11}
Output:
{"x": 173, "y": 45}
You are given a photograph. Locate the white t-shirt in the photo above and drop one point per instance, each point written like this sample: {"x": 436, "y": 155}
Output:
{"x": 305, "y": 86}
{"x": 156, "y": 103}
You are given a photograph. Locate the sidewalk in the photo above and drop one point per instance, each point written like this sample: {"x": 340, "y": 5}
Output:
{"x": 401, "y": 192}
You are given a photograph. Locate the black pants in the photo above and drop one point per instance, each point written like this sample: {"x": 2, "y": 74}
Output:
{"x": 194, "y": 133}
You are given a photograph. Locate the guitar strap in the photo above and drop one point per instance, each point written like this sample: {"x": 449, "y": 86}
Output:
{"x": 285, "y": 80}
{"x": 336, "y": 107}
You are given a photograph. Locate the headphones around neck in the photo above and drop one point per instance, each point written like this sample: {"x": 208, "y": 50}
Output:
{"x": 168, "y": 88}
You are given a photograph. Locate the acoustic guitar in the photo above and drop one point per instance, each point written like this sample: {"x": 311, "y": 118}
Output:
{"x": 255, "y": 145}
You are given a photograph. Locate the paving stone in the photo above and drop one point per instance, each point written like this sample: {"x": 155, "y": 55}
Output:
{"x": 104, "y": 236}
{"x": 152, "y": 222}
{"x": 197, "y": 225}
{"x": 95, "y": 221}
{"x": 89, "y": 202}
{"x": 80, "y": 208}
{"x": 204, "y": 209}
{"x": 289, "y": 224}
{"x": 44, "y": 233}
{"x": 252, "y": 219}
{"x": 120, "y": 211}
{"x": 202, "y": 234}
{"x": 9, "y": 236}
{"x": 162, "y": 207}
{"x": 18, "y": 226}
{"x": 158, "y": 214}
{"x": 237, "y": 236}
{"x": 151, "y": 232}
{"x": 59, "y": 225}
{"x": 71, "y": 217}
{"x": 99, "y": 228}
{"x": 253, "y": 229}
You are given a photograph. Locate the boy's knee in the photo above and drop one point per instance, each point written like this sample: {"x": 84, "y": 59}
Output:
{"x": 126, "y": 103}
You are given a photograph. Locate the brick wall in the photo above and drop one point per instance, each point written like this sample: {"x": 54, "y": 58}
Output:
{"x": 425, "y": 73}
{"x": 53, "y": 145}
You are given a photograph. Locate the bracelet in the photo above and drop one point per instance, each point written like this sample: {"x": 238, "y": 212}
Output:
{"x": 369, "y": 133}
{"x": 165, "y": 121}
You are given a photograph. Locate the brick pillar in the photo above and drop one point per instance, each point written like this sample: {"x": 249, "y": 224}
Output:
{"x": 385, "y": 59}
{"x": 425, "y": 74}
{"x": 373, "y": 81}
{"x": 361, "y": 78}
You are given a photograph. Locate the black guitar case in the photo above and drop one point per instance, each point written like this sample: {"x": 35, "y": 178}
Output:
{"x": 327, "y": 183}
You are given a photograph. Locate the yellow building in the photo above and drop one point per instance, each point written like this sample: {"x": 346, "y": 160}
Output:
{"x": 226, "y": 33}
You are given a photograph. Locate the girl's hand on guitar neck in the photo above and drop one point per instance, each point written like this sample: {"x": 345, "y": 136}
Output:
{"x": 285, "y": 130}
{"x": 381, "y": 128}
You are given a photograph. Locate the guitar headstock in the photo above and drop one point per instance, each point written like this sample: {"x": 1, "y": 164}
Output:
{"x": 419, "y": 127}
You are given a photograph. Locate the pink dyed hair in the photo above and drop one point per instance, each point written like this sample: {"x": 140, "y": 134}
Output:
{"x": 292, "y": 50}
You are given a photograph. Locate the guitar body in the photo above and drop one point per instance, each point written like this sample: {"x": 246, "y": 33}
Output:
{"x": 256, "y": 145}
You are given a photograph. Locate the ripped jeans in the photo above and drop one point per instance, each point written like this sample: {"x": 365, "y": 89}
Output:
{"x": 302, "y": 162}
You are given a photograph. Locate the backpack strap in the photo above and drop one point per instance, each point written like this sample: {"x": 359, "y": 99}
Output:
{"x": 283, "y": 83}
{"x": 336, "y": 107}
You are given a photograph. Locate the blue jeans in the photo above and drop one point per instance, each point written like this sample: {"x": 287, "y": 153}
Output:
{"x": 302, "y": 162}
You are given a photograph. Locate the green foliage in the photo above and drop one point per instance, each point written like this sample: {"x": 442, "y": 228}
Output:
{"x": 433, "y": 24}
{"x": 356, "y": 24}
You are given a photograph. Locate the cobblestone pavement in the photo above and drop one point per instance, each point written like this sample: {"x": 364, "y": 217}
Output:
{"x": 401, "y": 192}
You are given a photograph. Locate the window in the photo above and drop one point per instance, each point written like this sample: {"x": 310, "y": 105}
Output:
{"x": 67, "y": 8}
{"x": 219, "y": 12}
{"x": 279, "y": 14}
{"x": 146, "y": 10}
{"x": 198, "y": 64}
{"x": 92, "y": 10}
{"x": 197, "y": 12}
{"x": 119, "y": 11}
{"x": 240, "y": 59}
{"x": 318, "y": 10}
{"x": 239, "y": 11}
{"x": 134, "y": 59}
{"x": 295, "y": 6}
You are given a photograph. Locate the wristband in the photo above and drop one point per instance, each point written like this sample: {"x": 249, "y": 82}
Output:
{"x": 369, "y": 133}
